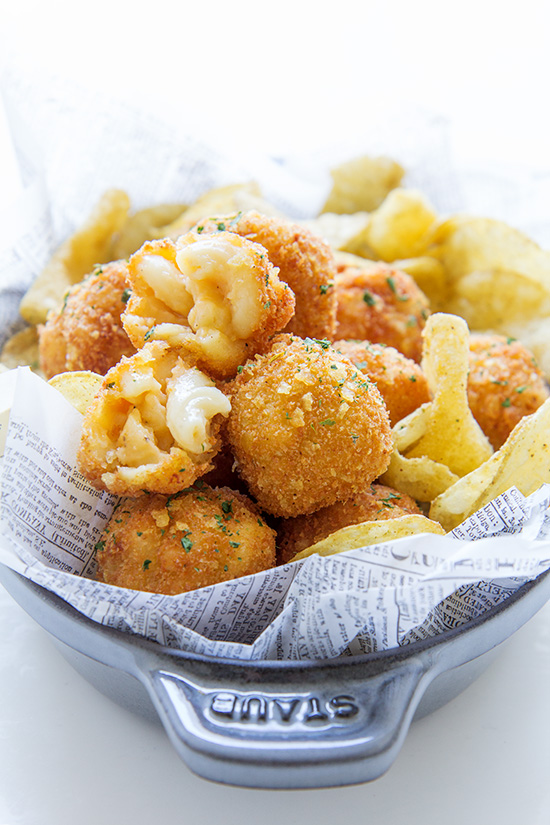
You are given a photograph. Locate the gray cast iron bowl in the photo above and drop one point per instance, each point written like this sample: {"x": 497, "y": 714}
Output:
{"x": 280, "y": 724}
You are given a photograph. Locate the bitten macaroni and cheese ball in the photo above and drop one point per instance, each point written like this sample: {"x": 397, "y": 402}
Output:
{"x": 375, "y": 503}
{"x": 305, "y": 262}
{"x": 504, "y": 384}
{"x": 401, "y": 382}
{"x": 86, "y": 332}
{"x": 381, "y": 305}
{"x": 153, "y": 426}
{"x": 306, "y": 427}
{"x": 216, "y": 298}
{"x": 173, "y": 544}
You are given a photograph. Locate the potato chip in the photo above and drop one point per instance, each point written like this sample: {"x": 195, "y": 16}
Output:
{"x": 507, "y": 271}
{"x": 145, "y": 225}
{"x": 79, "y": 387}
{"x": 466, "y": 244}
{"x": 400, "y": 226}
{"x": 224, "y": 200}
{"x": 76, "y": 257}
{"x": 349, "y": 259}
{"x": 494, "y": 299}
{"x": 21, "y": 350}
{"x": 339, "y": 231}
{"x": 359, "y": 244}
{"x": 430, "y": 276}
{"x": 445, "y": 429}
{"x": 361, "y": 184}
{"x": 371, "y": 532}
{"x": 523, "y": 461}
{"x": 422, "y": 478}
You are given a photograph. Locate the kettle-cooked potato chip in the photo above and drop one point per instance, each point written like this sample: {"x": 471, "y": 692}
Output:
{"x": 467, "y": 244}
{"x": 492, "y": 300}
{"x": 340, "y": 231}
{"x": 523, "y": 461}
{"x": 429, "y": 274}
{"x": 496, "y": 274}
{"x": 444, "y": 429}
{"x": 361, "y": 184}
{"x": 21, "y": 350}
{"x": 76, "y": 257}
{"x": 422, "y": 478}
{"x": 145, "y": 225}
{"x": 400, "y": 226}
{"x": 79, "y": 387}
{"x": 223, "y": 200}
{"x": 371, "y": 532}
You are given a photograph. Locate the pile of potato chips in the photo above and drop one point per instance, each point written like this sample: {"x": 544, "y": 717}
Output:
{"x": 479, "y": 274}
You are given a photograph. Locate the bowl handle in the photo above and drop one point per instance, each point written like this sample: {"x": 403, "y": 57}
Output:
{"x": 269, "y": 731}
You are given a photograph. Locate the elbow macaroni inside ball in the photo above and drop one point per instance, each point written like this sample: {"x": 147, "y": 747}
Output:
{"x": 154, "y": 424}
{"x": 192, "y": 402}
{"x": 208, "y": 295}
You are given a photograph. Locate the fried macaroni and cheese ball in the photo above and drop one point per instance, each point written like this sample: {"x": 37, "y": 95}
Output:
{"x": 153, "y": 426}
{"x": 401, "y": 382}
{"x": 504, "y": 384}
{"x": 195, "y": 538}
{"x": 374, "y": 503}
{"x": 306, "y": 263}
{"x": 306, "y": 427}
{"x": 382, "y": 305}
{"x": 86, "y": 332}
{"x": 217, "y": 298}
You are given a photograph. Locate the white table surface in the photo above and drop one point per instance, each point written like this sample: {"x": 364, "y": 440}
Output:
{"x": 68, "y": 756}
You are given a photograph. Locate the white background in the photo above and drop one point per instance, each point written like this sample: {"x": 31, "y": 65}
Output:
{"x": 284, "y": 78}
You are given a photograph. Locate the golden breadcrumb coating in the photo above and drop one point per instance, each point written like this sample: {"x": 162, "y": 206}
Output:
{"x": 217, "y": 298}
{"x": 86, "y": 332}
{"x": 382, "y": 305}
{"x": 153, "y": 426}
{"x": 374, "y": 503}
{"x": 196, "y": 538}
{"x": 504, "y": 384}
{"x": 305, "y": 262}
{"x": 306, "y": 427}
{"x": 401, "y": 382}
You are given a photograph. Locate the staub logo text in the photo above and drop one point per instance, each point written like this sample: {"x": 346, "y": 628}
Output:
{"x": 310, "y": 710}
